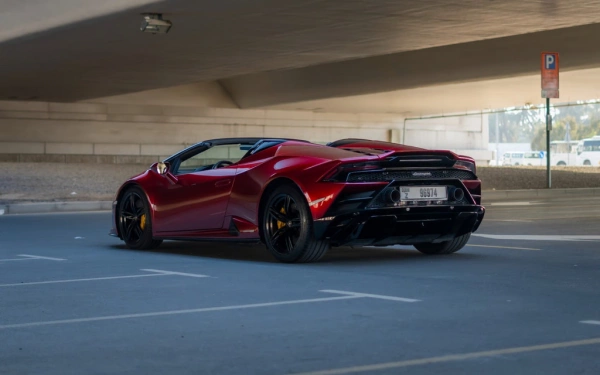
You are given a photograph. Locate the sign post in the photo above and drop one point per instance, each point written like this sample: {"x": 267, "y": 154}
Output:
{"x": 549, "y": 90}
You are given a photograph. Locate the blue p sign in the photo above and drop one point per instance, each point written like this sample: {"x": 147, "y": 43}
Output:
{"x": 550, "y": 62}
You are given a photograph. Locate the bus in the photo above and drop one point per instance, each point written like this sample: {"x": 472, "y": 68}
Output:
{"x": 563, "y": 153}
{"x": 588, "y": 151}
{"x": 523, "y": 158}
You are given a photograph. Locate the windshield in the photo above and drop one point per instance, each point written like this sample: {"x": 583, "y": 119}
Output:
{"x": 588, "y": 146}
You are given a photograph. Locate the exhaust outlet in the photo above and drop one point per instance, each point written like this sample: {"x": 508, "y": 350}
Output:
{"x": 392, "y": 195}
{"x": 458, "y": 194}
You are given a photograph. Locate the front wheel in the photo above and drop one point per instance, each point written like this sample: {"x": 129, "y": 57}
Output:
{"x": 287, "y": 227}
{"x": 135, "y": 223}
{"x": 446, "y": 247}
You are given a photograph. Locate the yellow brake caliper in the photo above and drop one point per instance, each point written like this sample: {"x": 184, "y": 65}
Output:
{"x": 281, "y": 224}
{"x": 143, "y": 221}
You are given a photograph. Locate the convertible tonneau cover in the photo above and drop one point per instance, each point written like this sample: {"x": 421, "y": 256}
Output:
{"x": 376, "y": 145}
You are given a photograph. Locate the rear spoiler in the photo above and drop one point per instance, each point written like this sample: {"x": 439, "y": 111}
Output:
{"x": 370, "y": 144}
{"x": 404, "y": 150}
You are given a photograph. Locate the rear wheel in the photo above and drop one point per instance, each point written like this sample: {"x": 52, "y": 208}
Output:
{"x": 587, "y": 162}
{"x": 446, "y": 247}
{"x": 287, "y": 227}
{"x": 135, "y": 223}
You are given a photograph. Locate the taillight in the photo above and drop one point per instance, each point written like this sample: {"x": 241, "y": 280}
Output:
{"x": 466, "y": 164}
{"x": 341, "y": 172}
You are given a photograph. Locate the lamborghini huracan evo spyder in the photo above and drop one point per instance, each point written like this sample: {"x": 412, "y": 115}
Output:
{"x": 300, "y": 198}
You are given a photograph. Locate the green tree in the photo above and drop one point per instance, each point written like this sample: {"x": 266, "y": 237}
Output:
{"x": 516, "y": 125}
{"x": 577, "y": 131}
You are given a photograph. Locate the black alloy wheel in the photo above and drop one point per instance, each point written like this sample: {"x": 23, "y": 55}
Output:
{"x": 287, "y": 227}
{"x": 283, "y": 224}
{"x": 135, "y": 224}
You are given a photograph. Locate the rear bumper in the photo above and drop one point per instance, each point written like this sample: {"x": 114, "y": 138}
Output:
{"x": 400, "y": 225}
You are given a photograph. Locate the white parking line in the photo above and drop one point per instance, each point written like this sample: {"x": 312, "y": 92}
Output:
{"x": 175, "y": 273}
{"x": 505, "y": 247}
{"x": 40, "y": 257}
{"x": 14, "y": 260}
{"x": 540, "y": 237}
{"x": 365, "y": 295}
{"x": 175, "y": 312}
{"x": 80, "y": 280}
{"x": 513, "y": 203}
{"x": 510, "y": 220}
{"x": 346, "y": 296}
{"x": 29, "y": 257}
{"x": 596, "y": 322}
{"x": 452, "y": 357}
{"x": 154, "y": 273}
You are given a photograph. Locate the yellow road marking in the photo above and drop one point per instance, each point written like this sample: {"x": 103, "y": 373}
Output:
{"x": 505, "y": 247}
{"x": 453, "y": 357}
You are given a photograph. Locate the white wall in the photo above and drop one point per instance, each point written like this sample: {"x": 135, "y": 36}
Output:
{"x": 467, "y": 135}
{"x": 156, "y": 131}
{"x": 160, "y": 130}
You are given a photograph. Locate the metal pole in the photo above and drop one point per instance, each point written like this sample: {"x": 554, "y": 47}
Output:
{"x": 548, "y": 177}
{"x": 497, "y": 141}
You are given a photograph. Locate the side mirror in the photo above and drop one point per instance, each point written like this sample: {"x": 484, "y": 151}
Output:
{"x": 162, "y": 168}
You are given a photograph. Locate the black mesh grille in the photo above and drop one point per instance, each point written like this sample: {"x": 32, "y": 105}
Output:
{"x": 410, "y": 175}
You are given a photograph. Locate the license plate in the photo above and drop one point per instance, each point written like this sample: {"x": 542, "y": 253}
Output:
{"x": 423, "y": 193}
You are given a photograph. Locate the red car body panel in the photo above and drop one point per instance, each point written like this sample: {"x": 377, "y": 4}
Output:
{"x": 226, "y": 202}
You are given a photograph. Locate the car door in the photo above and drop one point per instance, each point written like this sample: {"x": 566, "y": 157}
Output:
{"x": 194, "y": 201}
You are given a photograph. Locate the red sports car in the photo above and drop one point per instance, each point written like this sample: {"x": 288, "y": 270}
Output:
{"x": 301, "y": 198}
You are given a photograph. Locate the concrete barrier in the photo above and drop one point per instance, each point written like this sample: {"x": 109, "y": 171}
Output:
{"x": 48, "y": 207}
{"x": 495, "y": 195}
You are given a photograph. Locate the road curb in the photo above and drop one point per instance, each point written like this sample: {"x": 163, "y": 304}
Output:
{"x": 48, "y": 207}
{"x": 494, "y": 195}
{"x": 487, "y": 195}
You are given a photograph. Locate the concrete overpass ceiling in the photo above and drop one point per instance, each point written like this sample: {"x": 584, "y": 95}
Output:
{"x": 459, "y": 97}
{"x": 23, "y": 17}
{"x": 77, "y": 50}
{"x": 203, "y": 94}
{"x": 491, "y": 59}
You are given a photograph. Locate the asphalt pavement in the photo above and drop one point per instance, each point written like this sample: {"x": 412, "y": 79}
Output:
{"x": 521, "y": 298}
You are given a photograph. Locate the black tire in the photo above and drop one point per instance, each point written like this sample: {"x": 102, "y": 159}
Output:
{"x": 135, "y": 220}
{"x": 446, "y": 247}
{"x": 587, "y": 162}
{"x": 287, "y": 227}
{"x": 561, "y": 163}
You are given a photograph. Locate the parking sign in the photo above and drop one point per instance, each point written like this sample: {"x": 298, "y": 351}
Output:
{"x": 549, "y": 74}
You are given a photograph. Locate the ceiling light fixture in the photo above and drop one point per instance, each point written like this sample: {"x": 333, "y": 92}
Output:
{"x": 154, "y": 23}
